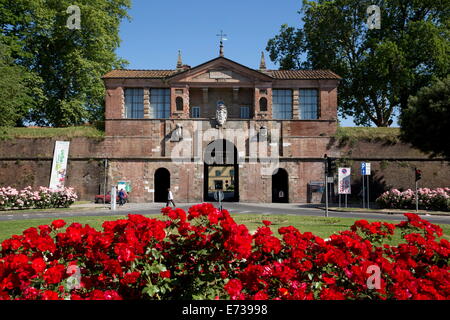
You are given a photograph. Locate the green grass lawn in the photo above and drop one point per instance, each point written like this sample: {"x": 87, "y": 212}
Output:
{"x": 34, "y": 132}
{"x": 353, "y": 134}
{"x": 319, "y": 226}
{"x": 32, "y": 210}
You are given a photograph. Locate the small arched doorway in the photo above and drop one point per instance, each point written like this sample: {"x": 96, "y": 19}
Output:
{"x": 280, "y": 186}
{"x": 221, "y": 171}
{"x": 162, "y": 183}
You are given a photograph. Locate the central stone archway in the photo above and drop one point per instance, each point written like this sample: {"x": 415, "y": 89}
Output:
{"x": 221, "y": 171}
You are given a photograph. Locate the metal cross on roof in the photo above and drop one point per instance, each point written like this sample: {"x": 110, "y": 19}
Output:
{"x": 222, "y": 38}
{"x": 221, "y": 35}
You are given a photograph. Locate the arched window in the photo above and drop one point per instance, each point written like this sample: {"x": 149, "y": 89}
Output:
{"x": 263, "y": 104}
{"x": 179, "y": 103}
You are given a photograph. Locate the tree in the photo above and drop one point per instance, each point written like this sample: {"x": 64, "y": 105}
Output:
{"x": 69, "y": 62}
{"x": 381, "y": 68}
{"x": 426, "y": 122}
{"x": 15, "y": 94}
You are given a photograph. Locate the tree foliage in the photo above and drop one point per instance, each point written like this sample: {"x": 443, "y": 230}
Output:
{"x": 69, "y": 62}
{"x": 16, "y": 96}
{"x": 381, "y": 67}
{"x": 426, "y": 122}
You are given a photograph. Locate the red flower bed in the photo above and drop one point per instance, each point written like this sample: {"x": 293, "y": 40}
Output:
{"x": 205, "y": 254}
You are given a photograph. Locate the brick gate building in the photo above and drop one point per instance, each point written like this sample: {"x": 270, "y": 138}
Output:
{"x": 258, "y": 135}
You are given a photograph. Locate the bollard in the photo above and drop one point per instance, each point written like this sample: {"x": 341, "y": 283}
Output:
{"x": 113, "y": 197}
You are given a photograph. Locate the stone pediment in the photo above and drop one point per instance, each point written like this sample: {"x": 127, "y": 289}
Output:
{"x": 220, "y": 70}
{"x": 220, "y": 75}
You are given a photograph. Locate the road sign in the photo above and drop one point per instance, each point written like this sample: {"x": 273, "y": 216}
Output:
{"x": 365, "y": 168}
{"x": 218, "y": 195}
{"x": 344, "y": 181}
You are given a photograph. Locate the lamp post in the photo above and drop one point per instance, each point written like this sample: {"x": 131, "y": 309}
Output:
{"x": 326, "y": 184}
{"x": 105, "y": 177}
{"x": 418, "y": 177}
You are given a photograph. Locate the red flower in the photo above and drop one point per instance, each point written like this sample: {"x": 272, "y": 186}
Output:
{"x": 54, "y": 275}
{"x": 113, "y": 267}
{"x": 267, "y": 222}
{"x": 30, "y": 293}
{"x": 106, "y": 295}
{"x": 38, "y": 265}
{"x": 124, "y": 252}
{"x": 260, "y": 295}
{"x": 173, "y": 214}
{"x": 112, "y": 295}
{"x": 97, "y": 295}
{"x": 57, "y": 224}
{"x": 32, "y": 265}
{"x": 328, "y": 280}
{"x": 283, "y": 292}
{"x": 234, "y": 288}
{"x": 331, "y": 294}
{"x": 50, "y": 295}
{"x": 130, "y": 278}
{"x": 45, "y": 230}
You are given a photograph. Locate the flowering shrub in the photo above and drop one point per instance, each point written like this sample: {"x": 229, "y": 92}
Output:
{"x": 438, "y": 199}
{"x": 41, "y": 198}
{"x": 205, "y": 254}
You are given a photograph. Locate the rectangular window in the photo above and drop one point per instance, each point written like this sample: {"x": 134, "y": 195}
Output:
{"x": 195, "y": 112}
{"x": 134, "y": 103}
{"x": 245, "y": 113}
{"x": 160, "y": 103}
{"x": 308, "y": 104}
{"x": 282, "y": 104}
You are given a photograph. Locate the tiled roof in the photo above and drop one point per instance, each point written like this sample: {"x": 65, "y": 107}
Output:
{"x": 152, "y": 74}
{"x": 302, "y": 74}
{"x": 276, "y": 74}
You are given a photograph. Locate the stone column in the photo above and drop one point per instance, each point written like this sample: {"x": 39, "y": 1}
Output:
{"x": 256, "y": 111}
{"x": 173, "y": 106}
{"x": 205, "y": 97}
{"x": 187, "y": 105}
{"x": 295, "y": 104}
{"x": 147, "y": 112}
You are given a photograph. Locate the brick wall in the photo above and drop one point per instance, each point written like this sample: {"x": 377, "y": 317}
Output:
{"x": 136, "y": 157}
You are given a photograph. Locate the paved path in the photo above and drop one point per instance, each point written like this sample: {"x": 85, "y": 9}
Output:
{"x": 234, "y": 208}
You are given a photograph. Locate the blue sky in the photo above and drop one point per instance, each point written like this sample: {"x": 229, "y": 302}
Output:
{"x": 158, "y": 29}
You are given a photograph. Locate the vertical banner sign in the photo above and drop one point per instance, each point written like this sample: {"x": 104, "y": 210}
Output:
{"x": 344, "y": 181}
{"x": 59, "y": 166}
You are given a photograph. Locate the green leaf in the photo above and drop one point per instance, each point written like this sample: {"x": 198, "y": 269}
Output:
{"x": 151, "y": 290}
